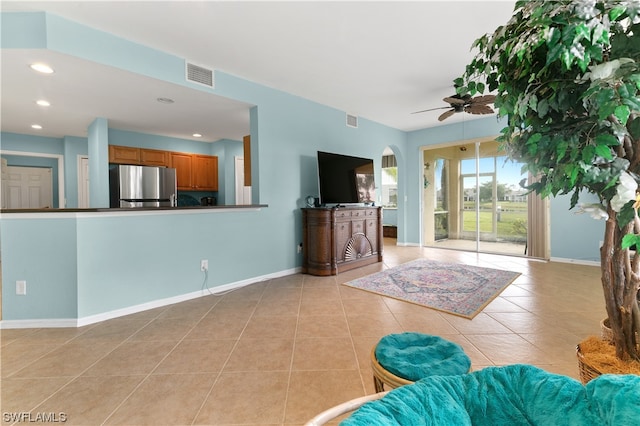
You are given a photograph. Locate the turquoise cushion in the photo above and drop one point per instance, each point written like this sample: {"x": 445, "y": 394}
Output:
{"x": 513, "y": 395}
{"x": 414, "y": 356}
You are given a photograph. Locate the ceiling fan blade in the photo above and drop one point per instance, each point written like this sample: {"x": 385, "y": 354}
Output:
{"x": 486, "y": 99}
{"x": 478, "y": 109}
{"x": 446, "y": 115}
{"x": 431, "y": 109}
{"x": 454, "y": 101}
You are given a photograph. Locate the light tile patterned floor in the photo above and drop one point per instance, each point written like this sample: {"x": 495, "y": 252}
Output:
{"x": 281, "y": 351}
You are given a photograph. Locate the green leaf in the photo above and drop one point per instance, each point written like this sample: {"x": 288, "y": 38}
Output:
{"x": 533, "y": 102}
{"x": 561, "y": 149}
{"x": 543, "y": 108}
{"x": 604, "y": 152}
{"x": 604, "y": 95}
{"x": 535, "y": 138}
{"x": 630, "y": 240}
{"x": 606, "y": 139}
{"x": 622, "y": 112}
{"x": 588, "y": 153}
{"x": 582, "y": 31}
{"x": 554, "y": 52}
{"x": 626, "y": 214}
{"x": 634, "y": 127}
{"x": 606, "y": 109}
{"x": 616, "y": 12}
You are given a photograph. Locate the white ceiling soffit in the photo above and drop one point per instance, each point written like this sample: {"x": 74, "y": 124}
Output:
{"x": 378, "y": 60}
{"x": 80, "y": 91}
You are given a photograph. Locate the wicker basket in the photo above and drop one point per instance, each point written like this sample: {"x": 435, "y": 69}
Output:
{"x": 606, "y": 334}
{"x": 382, "y": 376}
{"x": 605, "y": 331}
{"x": 587, "y": 372}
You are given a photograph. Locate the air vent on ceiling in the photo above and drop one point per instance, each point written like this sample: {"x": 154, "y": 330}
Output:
{"x": 352, "y": 121}
{"x": 200, "y": 75}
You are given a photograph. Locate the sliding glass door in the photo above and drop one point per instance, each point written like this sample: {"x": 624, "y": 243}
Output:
{"x": 475, "y": 202}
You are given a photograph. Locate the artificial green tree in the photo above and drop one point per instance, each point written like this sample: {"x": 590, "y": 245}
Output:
{"x": 567, "y": 78}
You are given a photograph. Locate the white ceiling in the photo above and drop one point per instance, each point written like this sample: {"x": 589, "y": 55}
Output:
{"x": 377, "y": 60}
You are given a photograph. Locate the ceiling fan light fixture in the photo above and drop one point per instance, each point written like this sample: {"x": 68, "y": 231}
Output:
{"x": 457, "y": 103}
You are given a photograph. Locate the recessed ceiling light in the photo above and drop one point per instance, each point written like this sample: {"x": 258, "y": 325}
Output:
{"x": 36, "y": 126}
{"x": 165, "y": 100}
{"x": 43, "y": 68}
{"x": 197, "y": 135}
{"x": 43, "y": 103}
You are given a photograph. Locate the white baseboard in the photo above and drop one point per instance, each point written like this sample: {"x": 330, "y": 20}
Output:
{"x": 92, "y": 319}
{"x": 575, "y": 261}
{"x": 407, "y": 244}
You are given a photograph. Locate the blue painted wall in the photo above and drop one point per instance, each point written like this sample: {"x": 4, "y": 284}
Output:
{"x": 575, "y": 236}
{"x": 226, "y": 150}
{"x": 52, "y": 285}
{"x": 143, "y": 140}
{"x": 110, "y": 263}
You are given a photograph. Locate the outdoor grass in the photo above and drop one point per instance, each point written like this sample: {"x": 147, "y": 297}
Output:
{"x": 511, "y": 216}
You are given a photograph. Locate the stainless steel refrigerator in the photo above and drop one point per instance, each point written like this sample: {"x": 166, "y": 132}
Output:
{"x": 142, "y": 186}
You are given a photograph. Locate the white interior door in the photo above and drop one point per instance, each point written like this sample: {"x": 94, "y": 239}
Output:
{"x": 29, "y": 187}
{"x": 243, "y": 193}
{"x": 83, "y": 182}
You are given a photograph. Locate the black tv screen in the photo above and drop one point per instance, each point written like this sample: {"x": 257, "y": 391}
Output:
{"x": 344, "y": 179}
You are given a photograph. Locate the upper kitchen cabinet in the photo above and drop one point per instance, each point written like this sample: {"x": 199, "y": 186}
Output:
{"x": 195, "y": 172}
{"x": 138, "y": 156}
{"x": 124, "y": 155}
{"x": 183, "y": 163}
{"x": 155, "y": 157}
{"x": 205, "y": 172}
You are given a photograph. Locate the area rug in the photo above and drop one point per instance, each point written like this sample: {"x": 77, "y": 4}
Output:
{"x": 457, "y": 289}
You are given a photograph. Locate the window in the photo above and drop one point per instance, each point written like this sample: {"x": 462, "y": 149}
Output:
{"x": 389, "y": 181}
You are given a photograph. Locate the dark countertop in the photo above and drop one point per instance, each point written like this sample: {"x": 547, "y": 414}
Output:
{"x": 129, "y": 210}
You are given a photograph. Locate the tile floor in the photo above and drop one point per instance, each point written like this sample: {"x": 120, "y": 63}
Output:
{"x": 281, "y": 351}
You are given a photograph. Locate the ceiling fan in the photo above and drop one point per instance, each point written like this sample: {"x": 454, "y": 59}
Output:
{"x": 457, "y": 103}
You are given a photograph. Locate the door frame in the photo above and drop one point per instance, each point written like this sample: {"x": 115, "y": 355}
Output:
{"x": 60, "y": 158}
{"x": 537, "y": 207}
{"x": 83, "y": 201}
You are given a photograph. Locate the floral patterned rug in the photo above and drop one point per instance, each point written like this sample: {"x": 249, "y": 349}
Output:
{"x": 457, "y": 289}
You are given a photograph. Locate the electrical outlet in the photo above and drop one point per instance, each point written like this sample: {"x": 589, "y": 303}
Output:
{"x": 204, "y": 265}
{"x": 21, "y": 288}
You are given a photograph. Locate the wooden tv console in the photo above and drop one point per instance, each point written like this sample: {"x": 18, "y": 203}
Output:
{"x": 340, "y": 238}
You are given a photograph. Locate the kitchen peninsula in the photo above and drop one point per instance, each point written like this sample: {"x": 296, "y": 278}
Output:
{"x": 82, "y": 266}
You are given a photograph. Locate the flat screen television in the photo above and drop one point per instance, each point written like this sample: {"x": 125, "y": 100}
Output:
{"x": 344, "y": 179}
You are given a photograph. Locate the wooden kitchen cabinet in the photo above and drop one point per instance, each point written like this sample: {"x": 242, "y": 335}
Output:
{"x": 246, "y": 144}
{"x": 155, "y": 157}
{"x": 138, "y": 156}
{"x": 195, "y": 172}
{"x": 205, "y": 172}
{"x": 124, "y": 155}
{"x": 183, "y": 165}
